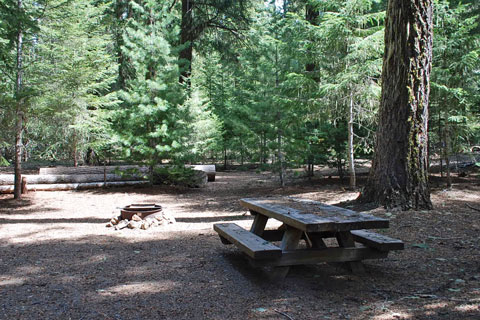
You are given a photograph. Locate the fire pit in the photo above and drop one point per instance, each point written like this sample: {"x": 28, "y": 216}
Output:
{"x": 141, "y": 210}
{"x": 141, "y": 216}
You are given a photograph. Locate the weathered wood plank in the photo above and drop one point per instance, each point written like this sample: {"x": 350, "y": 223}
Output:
{"x": 258, "y": 225}
{"x": 290, "y": 216}
{"x": 290, "y": 241}
{"x": 310, "y": 256}
{"x": 254, "y": 246}
{"x": 312, "y": 216}
{"x": 377, "y": 241}
{"x": 291, "y": 238}
{"x": 345, "y": 240}
{"x": 315, "y": 241}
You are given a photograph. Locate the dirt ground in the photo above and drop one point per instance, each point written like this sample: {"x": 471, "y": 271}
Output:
{"x": 59, "y": 261}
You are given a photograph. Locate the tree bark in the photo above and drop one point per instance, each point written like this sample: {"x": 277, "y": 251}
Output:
{"x": 312, "y": 15}
{"x": 122, "y": 12}
{"x": 280, "y": 158}
{"x": 75, "y": 149}
{"x": 186, "y": 41}
{"x": 224, "y": 155}
{"x": 264, "y": 147}
{"x": 17, "y": 193}
{"x": 446, "y": 150}
{"x": 351, "y": 153}
{"x": 399, "y": 174}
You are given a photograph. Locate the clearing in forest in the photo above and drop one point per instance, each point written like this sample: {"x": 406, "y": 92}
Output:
{"x": 59, "y": 261}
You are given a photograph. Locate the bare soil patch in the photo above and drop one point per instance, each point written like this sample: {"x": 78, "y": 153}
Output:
{"x": 59, "y": 261}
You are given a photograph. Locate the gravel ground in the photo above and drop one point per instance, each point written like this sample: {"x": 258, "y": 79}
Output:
{"x": 59, "y": 261}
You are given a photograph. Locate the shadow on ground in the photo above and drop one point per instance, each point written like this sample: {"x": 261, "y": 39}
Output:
{"x": 192, "y": 276}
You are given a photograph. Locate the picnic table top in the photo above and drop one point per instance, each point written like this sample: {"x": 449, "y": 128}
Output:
{"x": 313, "y": 216}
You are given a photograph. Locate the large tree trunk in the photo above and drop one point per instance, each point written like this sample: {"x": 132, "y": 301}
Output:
{"x": 17, "y": 193}
{"x": 399, "y": 175}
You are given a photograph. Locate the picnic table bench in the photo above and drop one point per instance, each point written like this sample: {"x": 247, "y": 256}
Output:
{"x": 312, "y": 222}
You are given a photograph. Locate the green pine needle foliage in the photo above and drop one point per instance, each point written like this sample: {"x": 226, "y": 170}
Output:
{"x": 148, "y": 125}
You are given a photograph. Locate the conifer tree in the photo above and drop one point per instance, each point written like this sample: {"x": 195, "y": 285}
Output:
{"x": 18, "y": 24}
{"x": 74, "y": 75}
{"x": 149, "y": 122}
{"x": 455, "y": 79}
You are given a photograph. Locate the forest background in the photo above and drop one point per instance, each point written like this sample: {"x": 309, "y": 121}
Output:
{"x": 280, "y": 83}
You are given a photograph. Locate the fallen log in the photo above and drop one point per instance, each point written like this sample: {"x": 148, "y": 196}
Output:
{"x": 73, "y": 186}
{"x": 7, "y": 179}
{"x": 91, "y": 170}
{"x": 209, "y": 169}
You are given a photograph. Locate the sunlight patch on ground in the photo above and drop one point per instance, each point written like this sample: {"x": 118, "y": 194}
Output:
{"x": 393, "y": 316}
{"x": 468, "y": 307}
{"x": 11, "y": 282}
{"x": 271, "y": 224}
{"x": 182, "y": 226}
{"x": 438, "y": 305}
{"x": 134, "y": 288}
{"x": 34, "y": 233}
{"x": 460, "y": 194}
{"x": 29, "y": 270}
{"x": 98, "y": 258}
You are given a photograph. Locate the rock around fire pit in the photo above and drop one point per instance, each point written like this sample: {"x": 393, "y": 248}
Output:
{"x": 140, "y": 216}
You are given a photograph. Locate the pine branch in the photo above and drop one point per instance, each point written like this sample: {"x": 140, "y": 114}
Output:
{"x": 172, "y": 5}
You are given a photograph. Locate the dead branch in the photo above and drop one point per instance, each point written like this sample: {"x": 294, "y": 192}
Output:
{"x": 283, "y": 314}
{"x": 473, "y": 208}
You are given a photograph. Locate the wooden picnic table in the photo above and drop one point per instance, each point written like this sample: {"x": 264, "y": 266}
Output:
{"x": 312, "y": 222}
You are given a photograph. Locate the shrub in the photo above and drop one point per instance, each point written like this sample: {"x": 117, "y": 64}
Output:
{"x": 4, "y": 162}
{"x": 175, "y": 175}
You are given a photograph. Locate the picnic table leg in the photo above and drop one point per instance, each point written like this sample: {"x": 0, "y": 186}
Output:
{"x": 314, "y": 241}
{"x": 345, "y": 239}
{"x": 259, "y": 224}
{"x": 290, "y": 241}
